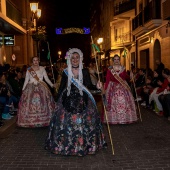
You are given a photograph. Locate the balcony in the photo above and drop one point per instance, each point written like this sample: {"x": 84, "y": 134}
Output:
{"x": 124, "y": 7}
{"x": 166, "y": 10}
{"x": 152, "y": 14}
{"x": 11, "y": 20}
{"x": 122, "y": 40}
{"x": 13, "y": 13}
{"x": 137, "y": 25}
{"x": 147, "y": 19}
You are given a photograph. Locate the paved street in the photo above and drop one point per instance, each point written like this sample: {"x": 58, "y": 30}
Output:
{"x": 141, "y": 146}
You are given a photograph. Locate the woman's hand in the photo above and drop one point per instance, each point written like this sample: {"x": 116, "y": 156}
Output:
{"x": 99, "y": 85}
{"x": 54, "y": 85}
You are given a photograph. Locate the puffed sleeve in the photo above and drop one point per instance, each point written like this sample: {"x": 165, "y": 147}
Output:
{"x": 27, "y": 77}
{"x": 46, "y": 77}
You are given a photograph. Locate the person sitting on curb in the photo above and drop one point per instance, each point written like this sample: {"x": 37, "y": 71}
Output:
{"x": 6, "y": 97}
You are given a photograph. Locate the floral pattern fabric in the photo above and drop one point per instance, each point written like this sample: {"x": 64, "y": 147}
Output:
{"x": 35, "y": 107}
{"x": 75, "y": 128}
{"x": 120, "y": 102}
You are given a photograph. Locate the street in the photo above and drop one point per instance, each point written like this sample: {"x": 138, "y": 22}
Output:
{"x": 141, "y": 146}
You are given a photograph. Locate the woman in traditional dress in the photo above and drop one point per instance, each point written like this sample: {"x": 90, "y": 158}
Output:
{"x": 75, "y": 127}
{"x": 120, "y": 107}
{"x": 93, "y": 73}
{"x": 36, "y": 104}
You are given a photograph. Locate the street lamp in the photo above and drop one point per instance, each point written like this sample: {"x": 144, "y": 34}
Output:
{"x": 100, "y": 40}
{"x": 59, "y": 55}
{"x": 36, "y": 14}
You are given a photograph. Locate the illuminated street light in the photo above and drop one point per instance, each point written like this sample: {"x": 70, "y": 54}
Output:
{"x": 100, "y": 40}
{"x": 33, "y": 7}
{"x": 36, "y": 14}
{"x": 59, "y": 53}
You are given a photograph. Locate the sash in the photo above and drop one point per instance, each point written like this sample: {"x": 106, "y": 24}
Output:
{"x": 77, "y": 84}
{"x": 120, "y": 80}
{"x": 34, "y": 75}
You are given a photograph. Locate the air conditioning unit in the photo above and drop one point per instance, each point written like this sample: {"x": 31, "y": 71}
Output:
{"x": 166, "y": 10}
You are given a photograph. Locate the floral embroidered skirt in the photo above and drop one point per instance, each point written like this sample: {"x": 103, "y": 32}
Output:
{"x": 120, "y": 105}
{"x": 75, "y": 131}
{"x": 35, "y": 107}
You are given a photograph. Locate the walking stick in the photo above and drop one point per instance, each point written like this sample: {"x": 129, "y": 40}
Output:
{"x": 49, "y": 56}
{"x": 136, "y": 96}
{"x": 125, "y": 53}
{"x": 103, "y": 99}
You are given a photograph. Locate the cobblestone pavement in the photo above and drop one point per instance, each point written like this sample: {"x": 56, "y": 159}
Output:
{"x": 141, "y": 146}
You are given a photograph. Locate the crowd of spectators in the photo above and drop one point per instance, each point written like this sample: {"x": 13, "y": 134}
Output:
{"x": 152, "y": 88}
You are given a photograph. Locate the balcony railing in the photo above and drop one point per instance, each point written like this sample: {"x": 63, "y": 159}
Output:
{"x": 124, "y": 7}
{"x": 165, "y": 10}
{"x": 137, "y": 21}
{"x": 150, "y": 12}
{"x": 123, "y": 38}
{"x": 13, "y": 13}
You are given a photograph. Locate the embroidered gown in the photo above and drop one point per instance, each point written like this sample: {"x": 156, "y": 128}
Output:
{"x": 75, "y": 128}
{"x": 120, "y": 102}
{"x": 36, "y": 104}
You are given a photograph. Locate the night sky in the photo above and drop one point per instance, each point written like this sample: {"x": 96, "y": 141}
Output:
{"x": 66, "y": 14}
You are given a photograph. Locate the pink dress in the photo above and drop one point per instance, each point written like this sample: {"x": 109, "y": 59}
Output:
{"x": 120, "y": 107}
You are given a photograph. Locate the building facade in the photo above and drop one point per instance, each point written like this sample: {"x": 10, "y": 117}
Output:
{"x": 15, "y": 22}
{"x": 151, "y": 30}
{"x": 138, "y": 31}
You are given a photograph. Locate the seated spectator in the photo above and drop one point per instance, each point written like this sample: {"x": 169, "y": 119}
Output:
{"x": 17, "y": 82}
{"x": 149, "y": 72}
{"x": 158, "y": 91}
{"x": 146, "y": 91}
{"x": 165, "y": 100}
{"x": 155, "y": 78}
{"x": 139, "y": 83}
{"x": 6, "y": 97}
{"x": 154, "y": 84}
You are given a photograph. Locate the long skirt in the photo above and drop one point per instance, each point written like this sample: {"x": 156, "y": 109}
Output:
{"x": 36, "y": 106}
{"x": 75, "y": 132}
{"x": 120, "y": 107}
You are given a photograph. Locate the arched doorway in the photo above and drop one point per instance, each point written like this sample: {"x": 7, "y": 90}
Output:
{"x": 156, "y": 52}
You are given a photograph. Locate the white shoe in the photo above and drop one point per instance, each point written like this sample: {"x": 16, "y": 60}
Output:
{"x": 8, "y": 105}
{"x": 138, "y": 99}
{"x": 143, "y": 104}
